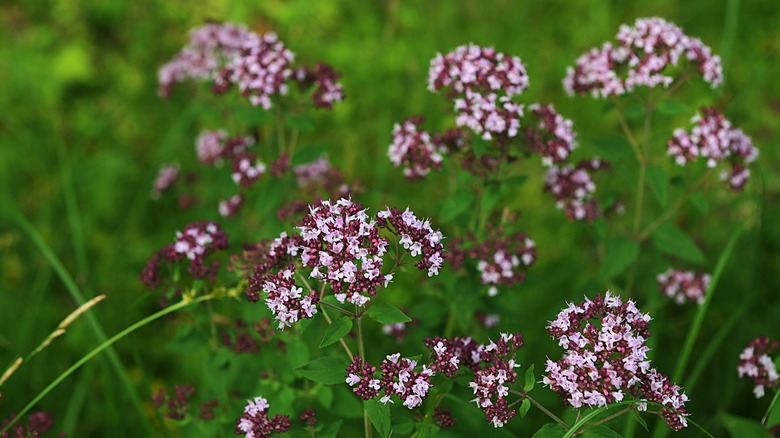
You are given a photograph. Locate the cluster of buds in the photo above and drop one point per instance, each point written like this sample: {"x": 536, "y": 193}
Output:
{"x": 483, "y": 83}
{"x": 755, "y": 363}
{"x": 503, "y": 261}
{"x": 416, "y": 236}
{"x": 37, "y": 423}
{"x": 174, "y": 407}
{"x": 213, "y": 146}
{"x": 643, "y": 54}
{"x": 573, "y": 188}
{"x": 259, "y": 66}
{"x": 443, "y": 418}
{"x": 414, "y": 149}
{"x": 324, "y": 78}
{"x": 552, "y": 137}
{"x": 320, "y": 175}
{"x": 195, "y": 243}
{"x": 605, "y": 359}
{"x": 684, "y": 286}
{"x": 714, "y": 139}
{"x": 398, "y": 378}
{"x": 254, "y": 423}
{"x": 399, "y": 330}
{"x": 309, "y": 417}
{"x": 493, "y": 366}
{"x": 247, "y": 338}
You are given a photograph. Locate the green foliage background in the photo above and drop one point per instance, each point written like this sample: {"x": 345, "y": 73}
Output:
{"x": 82, "y": 134}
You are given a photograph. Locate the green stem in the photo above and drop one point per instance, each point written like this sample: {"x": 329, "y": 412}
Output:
{"x": 685, "y": 354}
{"x": 106, "y": 345}
{"x": 78, "y": 297}
{"x": 584, "y": 420}
{"x": 769, "y": 409}
{"x": 660, "y": 220}
{"x": 368, "y": 432}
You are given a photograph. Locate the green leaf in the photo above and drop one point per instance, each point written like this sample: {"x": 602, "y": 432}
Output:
{"x": 613, "y": 148}
{"x": 456, "y": 205}
{"x": 379, "y": 414}
{"x": 297, "y": 352}
{"x": 673, "y": 241}
{"x": 638, "y": 417}
{"x": 672, "y": 108}
{"x": 658, "y": 181}
{"x": 620, "y": 253}
{"x": 699, "y": 201}
{"x": 336, "y": 331}
{"x": 403, "y": 426}
{"x": 324, "y": 395}
{"x": 530, "y": 381}
{"x": 600, "y": 431}
{"x": 550, "y": 430}
{"x": 744, "y": 428}
{"x": 479, "y": 146}
{"x": 301, "y": 122}
{"x": 525, "y": 405}
{"x": 309, "y": 153}
{"x": 325, "y": 370}
{"x": 489, "y": 199}
{"x": 634, "y": 110}
{"x": 386, "y": 314}
{"x": 331, "y": 430}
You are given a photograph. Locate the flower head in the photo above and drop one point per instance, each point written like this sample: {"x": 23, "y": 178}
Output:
{"x": 254, "y": 423}
{"x": 605, "y": 358}
{"x": 756, "y": 364}
{"x": 643, "y": 56}
{"x": 552, "y": 137}
{"x": 573, "y": 188}
{"x": 683, "y": 286}
{"x": 414, "y": 149}
{"x": 714, "y": 139}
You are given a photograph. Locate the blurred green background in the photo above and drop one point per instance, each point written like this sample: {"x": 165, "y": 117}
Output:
{"x": 83, "y": 132}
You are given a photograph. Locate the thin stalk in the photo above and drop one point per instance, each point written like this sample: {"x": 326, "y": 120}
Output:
{"x": 685, "y": 354}
{"x": 106, "y": 345}
{"x": 547, "y": 411}
{"x": 667, "y": 214}
{"x": 769, "y": 409}
{"x": 342, "y": 341}
{"x": 78, "y": 297}
{"x": 346, "y": 312}
{"x": 584, "y": 420}
{"x": 611, "y": 417}
{"x": 368, "y": 432}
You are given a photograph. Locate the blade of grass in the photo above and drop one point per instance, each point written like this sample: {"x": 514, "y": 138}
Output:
{"x": 79, "y": 298}
{"x": 71, "y": 205}
{"x": 698, "y": 319}
{"x": 76, "y": 401}
{"x": 682, "y": 361}
{"x": 106, "y": 345}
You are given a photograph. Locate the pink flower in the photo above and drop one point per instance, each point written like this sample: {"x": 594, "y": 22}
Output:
{"x": 756, "y": 363}
{"x": 714, "y": 139}
{"x": 573, "y": 188}
{"x": 683, "y": 286}
{"x": 553, "y": 137}
{"x": 254, "y": 423}
{"x": 166, "y": 177}
{"x": 414, "y": 149}
{"x": 640, "y": 58}
{"x": 605, "y": 359}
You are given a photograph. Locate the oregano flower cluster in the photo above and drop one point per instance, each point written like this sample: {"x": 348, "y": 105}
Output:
{"x": 683, "y": 286}
{"x": 259, "y": 66}
{"x": 756, "y": 364}
{"x": 605, "y": 359}
{"x": 255, "y": 423}
{"x": 645, "y": 56}
{"x": 343, "y": 248}
{"x": 714, "y": 139}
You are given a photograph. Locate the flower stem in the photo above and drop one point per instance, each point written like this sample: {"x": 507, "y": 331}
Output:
{"x": 541, "y": 408}
{"x": 368, "y": 432}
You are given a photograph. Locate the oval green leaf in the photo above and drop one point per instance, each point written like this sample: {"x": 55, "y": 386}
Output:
{"x": 336, "y": 331}
{"x": 386, "y": 314}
